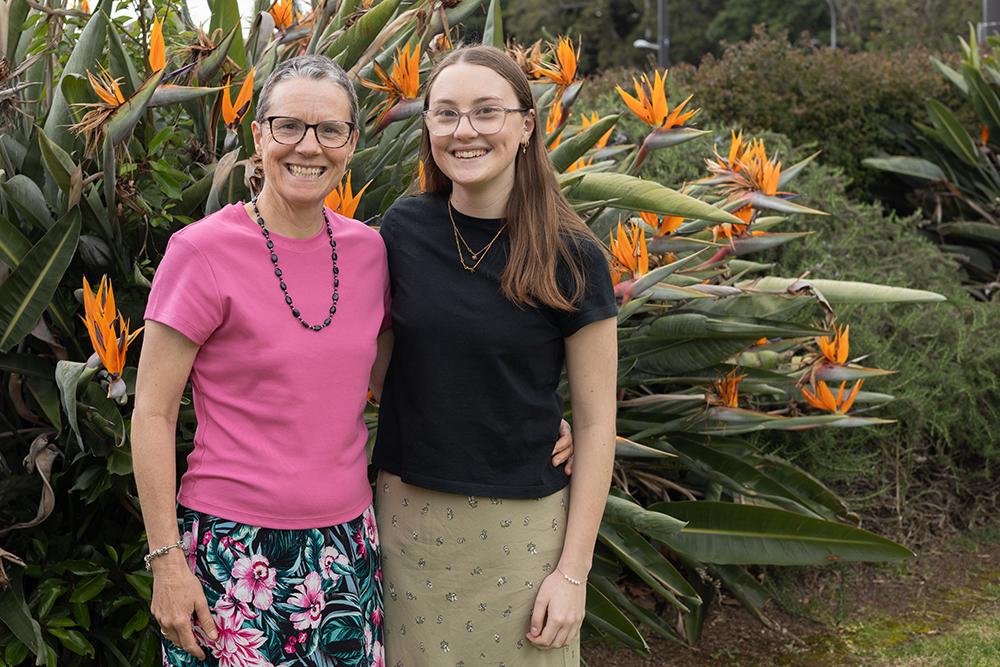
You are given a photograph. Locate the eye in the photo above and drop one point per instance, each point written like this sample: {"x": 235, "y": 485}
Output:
{"x": 332, "y": 129}
{"x": 445, "y": 114}
{"x": 488, "y": 112}
{"x": 287, "y": 124}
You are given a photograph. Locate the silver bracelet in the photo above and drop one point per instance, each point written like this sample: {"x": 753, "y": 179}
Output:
{"x": 156, "y": 553}
{"x": 575, "y": 582}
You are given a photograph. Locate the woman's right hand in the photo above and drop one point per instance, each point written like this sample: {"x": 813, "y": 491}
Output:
{"x": 177, "y": 598}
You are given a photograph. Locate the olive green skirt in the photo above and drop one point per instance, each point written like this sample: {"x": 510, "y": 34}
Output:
{"x": 460, "y": 574}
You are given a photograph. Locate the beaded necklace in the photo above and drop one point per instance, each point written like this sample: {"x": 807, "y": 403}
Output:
{"x": 281, "y": 281}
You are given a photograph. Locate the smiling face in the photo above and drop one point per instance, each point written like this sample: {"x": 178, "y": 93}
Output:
{"x": 475, "y": 161}
{"x": 304, "y": 173}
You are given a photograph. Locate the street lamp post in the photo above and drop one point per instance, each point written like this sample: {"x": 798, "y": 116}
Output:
{"x": 990, "y": 24}
{"x": 663, "y": 34}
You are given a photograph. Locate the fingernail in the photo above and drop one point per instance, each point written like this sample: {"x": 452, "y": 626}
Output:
{"x": 534, "y": 631}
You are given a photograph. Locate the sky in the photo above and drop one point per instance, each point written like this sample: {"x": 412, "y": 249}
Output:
{"x": 200, "y": 13}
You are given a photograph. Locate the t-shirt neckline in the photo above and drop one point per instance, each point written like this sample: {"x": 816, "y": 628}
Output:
{"x": 288, "y": 242}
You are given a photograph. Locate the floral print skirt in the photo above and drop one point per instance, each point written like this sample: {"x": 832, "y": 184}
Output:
{"x": 284, "y": 598}
{"x": 461, "y": 574}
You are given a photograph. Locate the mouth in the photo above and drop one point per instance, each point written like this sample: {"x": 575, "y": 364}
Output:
{"x": 469, "y": 153}
{"x": 300, "y": 171}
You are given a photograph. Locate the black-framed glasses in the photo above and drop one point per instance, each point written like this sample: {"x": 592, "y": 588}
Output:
{"x": 329, "y": 133}
{"x": 489, "y": 119}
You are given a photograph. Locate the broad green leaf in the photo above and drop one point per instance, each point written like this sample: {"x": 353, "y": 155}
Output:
{"x": 955, "y": 77}
{"x": 659, "y": 625}
{"x": 13, "y": 244}
{"x": 74, "y": 641}
{"x": 746, "y": 245}
{"x": 975, "y": 231}
{"x": 767, "y": 203}
{"x": 89, "y": 588}
{"x": 168, "y": 94}
{"x": 58, "y": 162}
{"x": 674, "y": 136}
{"x": 210, "y": 64}
{"x": 952, "y": 134}
{"x": 26, "y": 293}
{"x": 689, "y": 355}
{"x": 732, "y": 534}
{"x": 606, "y": 617}
{"x": 791, "y": 172}
{"x": 807, "y": 487}
{"x": 907, "y": 166}
{"x": 121, "y": 62}
{"x": 17, "y": 12}
{"x": 621, "y": 512}
{"x": 47, "y": 396}
{"x": 352, "y": 44}
{"x": 28, "y": 199}
{"x": 493, "y": 30}
{"x": 843, "y": 291}
{"x": 624, "y": 448}
{"x": 849, "y": 373}
{"x": 226, "y": 17}
{"x": 86, "y": 52}
{"x": 120, "y": 125}
{"x": 29, "y": 365}
{"x": 649, "y": 565}
{"x": 572, "y": 149}
{"x": 68, "y": 377}
{"x": 983, "y": 98}
{"x": 636, "y": 194}
{"x": 751, "y": 594}
{"x": 16, "y": 616}
{"x": 683, "y": 326}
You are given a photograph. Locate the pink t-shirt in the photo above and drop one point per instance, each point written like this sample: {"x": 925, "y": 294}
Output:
{"x": 281, "y": 435}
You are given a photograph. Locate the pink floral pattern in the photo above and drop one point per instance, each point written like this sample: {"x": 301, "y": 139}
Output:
{"x": 254, "y": 581}
{"x": 311, "y": 600}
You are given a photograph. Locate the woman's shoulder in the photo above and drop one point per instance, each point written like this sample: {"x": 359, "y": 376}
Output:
{"x": 218, "y": 228}
{"x": 407, "y": 207}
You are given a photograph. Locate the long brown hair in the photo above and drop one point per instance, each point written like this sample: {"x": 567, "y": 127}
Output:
{"x": 544, "y": 229}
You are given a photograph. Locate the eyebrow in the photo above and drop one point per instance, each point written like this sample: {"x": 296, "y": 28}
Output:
{"x": 491, "y": 98}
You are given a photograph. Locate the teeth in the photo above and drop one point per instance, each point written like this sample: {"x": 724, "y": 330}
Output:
{"x": 473, "y": 153}
{"x": 305, "y": 171}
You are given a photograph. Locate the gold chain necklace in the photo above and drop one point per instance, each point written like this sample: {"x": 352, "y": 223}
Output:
{"x": 477, "y": 256}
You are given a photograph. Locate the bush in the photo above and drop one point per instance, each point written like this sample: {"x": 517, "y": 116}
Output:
{"x": 931, "y": 469}
{"x": 850, "y": 105}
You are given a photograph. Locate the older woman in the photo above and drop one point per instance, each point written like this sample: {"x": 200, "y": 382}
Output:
{"x": 273, "y": 309}
{"x": 496, "y": 282}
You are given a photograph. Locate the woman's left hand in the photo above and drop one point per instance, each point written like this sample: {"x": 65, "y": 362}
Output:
{"x": 563, "y": 451}
{"x": 558, "y": 612}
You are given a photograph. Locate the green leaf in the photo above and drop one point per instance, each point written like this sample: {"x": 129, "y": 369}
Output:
{"x": 636, "y": 194}
{"x": 89, "y": 588}
{"x": 14, "y": 614}
{"x": 29, "y": 289}
{"x": 210, "y": 64}
{"x": 166, "y": 95}
{"x": 58, "y": 162}
{"x": 121, "y": 61}
{"x": 683, "y": 326}
{"x": 74, "y": 641}
{"x": 609, "y": 619}
{"x": 650, "y": 565}
{"x": 493, "y": 30}
{"x": 983, "y": 98}
{"x": 952, "y": 134}
{"x": 120, "y": 125}
{"x": 28, "y": 199}
{"x": 844, "y": 291}
{"x": 573, "y": 149}
{"x": 689, "y": 355}
{"x": 29, "y": 365}
{"x": 955, "y": 77}
{"x": 744, "y": 588}
{"x": 907, "y": 166}
{"x": 767, "y": 203}
{"x": 733, "y": 534}
{"x": 13, "y": 244}
{"x": 226, "y": 17}
{"x": 139, "y": 621}
{"x": 974, "y": 231}
{"x": 17, "y": 12}
{"x": 621, "y": 512}
{"x": 87, "y": 51}
{"x": 68, "y": 377}
{"x": 791, "y": 172}
{"x": 659, "y": 625}
{"x": 356, "y": 39}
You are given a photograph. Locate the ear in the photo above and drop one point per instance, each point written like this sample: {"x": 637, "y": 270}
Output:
{"x": 529, "y": 125}
{"x": 255, "y": 129}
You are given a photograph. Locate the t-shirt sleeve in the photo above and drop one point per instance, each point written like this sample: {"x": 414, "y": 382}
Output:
{"x": 185, "y": 295}
{"x": 598, "y": 299}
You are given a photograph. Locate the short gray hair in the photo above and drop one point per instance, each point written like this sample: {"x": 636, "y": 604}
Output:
{"x": 316, "y": 67}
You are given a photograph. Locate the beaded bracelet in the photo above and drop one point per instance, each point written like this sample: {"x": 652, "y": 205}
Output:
{"x": 575, "y": 582}
{"x": 156, "y": 553}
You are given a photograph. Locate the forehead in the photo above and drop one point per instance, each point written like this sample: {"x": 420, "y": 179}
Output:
{"x": 465, "y": 84}
{"x": 309, "y": 99}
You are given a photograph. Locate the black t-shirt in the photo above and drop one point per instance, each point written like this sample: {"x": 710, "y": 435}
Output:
{"x": 470, "y": 403}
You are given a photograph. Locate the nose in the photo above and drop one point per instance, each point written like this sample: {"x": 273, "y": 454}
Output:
{"x": 308, "y": 144}
{"x": 464, "y": 127}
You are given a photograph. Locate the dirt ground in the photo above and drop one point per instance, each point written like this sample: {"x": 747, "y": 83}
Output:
{"x": 841, "y": 617}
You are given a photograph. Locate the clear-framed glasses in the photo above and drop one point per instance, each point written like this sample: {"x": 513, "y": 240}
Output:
{"x": 329, "y": 133}
{"x": 442, "y": 121}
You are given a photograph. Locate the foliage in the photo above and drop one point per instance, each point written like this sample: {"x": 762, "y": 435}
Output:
{"x": 712, "y": 346}
{"x": 847, "y": 104}
{"x": 961, "y": 165}
{"x": 928, "y": 469}
{"x": 737, "y": 20}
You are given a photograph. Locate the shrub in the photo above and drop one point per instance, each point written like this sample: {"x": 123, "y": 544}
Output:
{"x": 850, "y": 105}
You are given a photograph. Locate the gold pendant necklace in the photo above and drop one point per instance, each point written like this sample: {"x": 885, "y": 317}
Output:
{"x": 460, "y": 241}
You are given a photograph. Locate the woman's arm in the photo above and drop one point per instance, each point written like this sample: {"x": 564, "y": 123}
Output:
{"x": 164, "y": 366}
{"x": 381, "y": 365}
{"x": 592, "y": 366}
